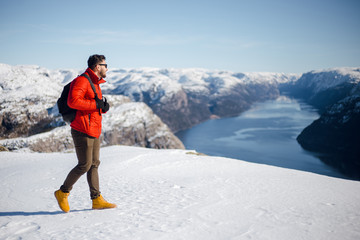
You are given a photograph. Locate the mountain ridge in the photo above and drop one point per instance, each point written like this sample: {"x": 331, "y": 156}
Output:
{"x": 181, "y": 98}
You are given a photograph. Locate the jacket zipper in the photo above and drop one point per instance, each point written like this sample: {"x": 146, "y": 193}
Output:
{"x": 89, "y": 119}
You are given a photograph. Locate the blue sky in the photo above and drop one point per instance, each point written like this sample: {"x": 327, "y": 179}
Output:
{"x": 291, "y": 36}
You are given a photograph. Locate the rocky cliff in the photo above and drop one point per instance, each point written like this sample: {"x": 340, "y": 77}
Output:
{"x": 335, "y": 136}
{"x": 129, "y": 123}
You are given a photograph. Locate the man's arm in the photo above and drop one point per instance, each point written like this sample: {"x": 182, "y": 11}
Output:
{"x": 76, "y": 98}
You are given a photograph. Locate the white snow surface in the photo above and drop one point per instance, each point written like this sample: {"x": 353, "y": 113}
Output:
{"x": 170, "y": 194}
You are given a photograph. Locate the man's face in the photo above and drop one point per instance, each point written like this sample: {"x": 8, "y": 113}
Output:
{"x": 102, "y": 69}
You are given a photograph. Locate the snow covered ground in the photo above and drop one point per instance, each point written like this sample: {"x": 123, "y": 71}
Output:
{"x": 171, "y": 194}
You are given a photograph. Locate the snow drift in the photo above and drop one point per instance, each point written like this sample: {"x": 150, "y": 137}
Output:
{"x": 174, "y": 194}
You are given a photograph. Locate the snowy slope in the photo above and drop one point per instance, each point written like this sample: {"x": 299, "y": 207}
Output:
{"x": 169, "y": 194}
{"x": 321, "y": 80}
{"x": 28, "y": 111}
{"x": 26, "y": 94}
{"x": 34, "y": 84}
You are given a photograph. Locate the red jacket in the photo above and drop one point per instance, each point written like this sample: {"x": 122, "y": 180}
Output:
{"x": 81, "y": 97}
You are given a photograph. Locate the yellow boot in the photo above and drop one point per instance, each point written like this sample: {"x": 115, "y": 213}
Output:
{"x": 101, "y": 203}
{"x": 62, "y": 200}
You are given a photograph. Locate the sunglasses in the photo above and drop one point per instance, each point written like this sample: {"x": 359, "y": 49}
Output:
{"x": 102, "y": 64}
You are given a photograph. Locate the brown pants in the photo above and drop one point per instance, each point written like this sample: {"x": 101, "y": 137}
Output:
{"x": 87, "y": 151}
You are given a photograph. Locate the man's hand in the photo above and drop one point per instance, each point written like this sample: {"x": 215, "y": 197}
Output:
{"x": 100, "y": 104}
{"x": 106, "y": 106}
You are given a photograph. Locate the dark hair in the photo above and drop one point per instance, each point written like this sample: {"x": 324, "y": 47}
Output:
{"x": 95, "y": 60}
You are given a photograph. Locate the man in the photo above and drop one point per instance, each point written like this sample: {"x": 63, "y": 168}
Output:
{"x": 85, "y": 131}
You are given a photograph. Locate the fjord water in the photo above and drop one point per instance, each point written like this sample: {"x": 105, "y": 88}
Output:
{"x": 264, "y": 134}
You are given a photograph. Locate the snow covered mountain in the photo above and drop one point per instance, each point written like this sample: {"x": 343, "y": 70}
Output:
{"x": 180, "y": 97}
{"x": 185, "y": 97}
{"x": 171, "y": 194}
{"x": 27, "y": 92}
{"x": 28, "y": 108}
{"x": 322, "y": 88}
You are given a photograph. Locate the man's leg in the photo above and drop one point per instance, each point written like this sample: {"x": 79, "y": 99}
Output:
{"x": 92, "y": 174}
{"x": 84, "y": 151}
{"x": 98, "y": 202}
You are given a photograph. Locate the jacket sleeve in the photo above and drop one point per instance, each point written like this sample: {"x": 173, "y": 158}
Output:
{"x": 77, "y": 99}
